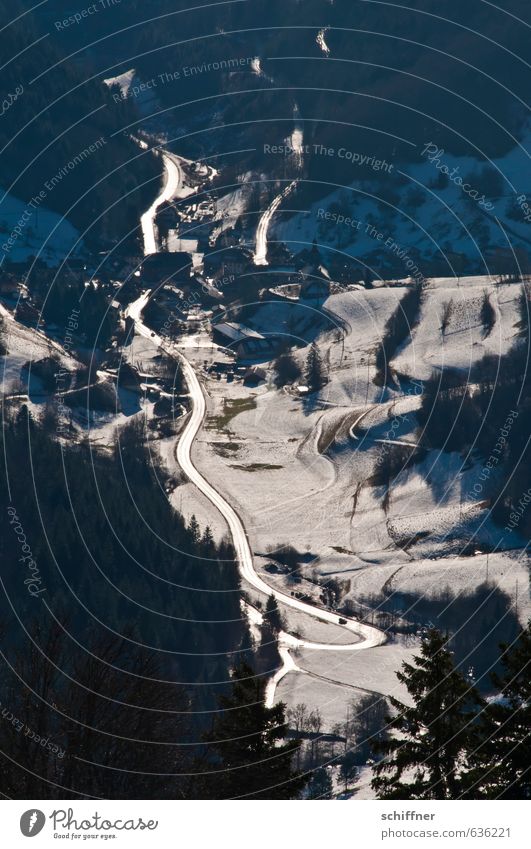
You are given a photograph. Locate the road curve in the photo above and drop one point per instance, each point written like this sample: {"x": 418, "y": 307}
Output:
{"x": 367, "y": 636}
{"x": 370, "y": 636}
{"x": 260, "y": 255}
{"x": 172, "y": 182}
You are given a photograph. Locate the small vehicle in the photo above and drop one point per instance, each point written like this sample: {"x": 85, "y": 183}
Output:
{"x": 342, "y": 620}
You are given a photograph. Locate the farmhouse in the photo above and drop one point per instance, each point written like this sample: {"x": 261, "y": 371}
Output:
{"x": 244, "y": 341}
{"x": 226, "y": 262}
{"x": 315, "y": 288}
{"x": 165, "y": 266}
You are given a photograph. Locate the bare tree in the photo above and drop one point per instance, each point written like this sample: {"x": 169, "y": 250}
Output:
{"x": 315, "y": 722}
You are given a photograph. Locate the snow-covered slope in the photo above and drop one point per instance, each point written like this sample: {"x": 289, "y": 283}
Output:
{"x": 414, "y": 210}
{"x": 42, "y": 233}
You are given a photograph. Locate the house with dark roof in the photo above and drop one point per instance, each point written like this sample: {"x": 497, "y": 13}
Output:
{"x": 165, "y": 266}
{"x": 227, "y": 261}
{"x": 315, "y": 285}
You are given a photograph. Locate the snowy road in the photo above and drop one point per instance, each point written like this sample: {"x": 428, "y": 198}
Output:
{"x": 172, "y": 184}
{"x": 260, "y": 255}
{"x": 370, "y": 636}
{"x": 367, "y": 636}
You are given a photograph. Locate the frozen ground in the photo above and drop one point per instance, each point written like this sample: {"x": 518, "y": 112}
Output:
{"x": 451, "y": 222}
{"x": 26, "y": 344}
{"x": 331, "y": 683}
{"x": 44, "y": 234}
{"x": 299, "y": 472}
{"x": 297, "y": 475}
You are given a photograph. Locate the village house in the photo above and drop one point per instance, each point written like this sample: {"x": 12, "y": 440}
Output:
{"x": 244, "y": 341}
{"x": 315, "y": 286}
{"x": 165, "y": 266}
{"x": 227, "y": 262}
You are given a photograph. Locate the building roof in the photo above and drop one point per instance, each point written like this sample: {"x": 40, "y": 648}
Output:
{"x": 237, "y": 332}
{"x": 169, "y": 261}
{"x": 235, "y": 253}
{"x": 318, "y": 285}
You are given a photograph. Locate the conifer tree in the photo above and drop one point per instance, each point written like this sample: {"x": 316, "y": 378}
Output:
{"x": 252, "y": 760}
{"x": 194, "y": 529}
{"x": 349, "y": 768}
{"x": 208, "y": 546}
{"x": 320, "y": 786}
{"x": 314, "y": 369}
{"x": 273, "y": 615}
{"x": 287, "y": 369}
{"x": 500, "y": 764}
{"x": 426, "y": 759}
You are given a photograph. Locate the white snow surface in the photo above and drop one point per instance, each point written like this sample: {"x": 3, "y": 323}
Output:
{"x": 45, "y": 234}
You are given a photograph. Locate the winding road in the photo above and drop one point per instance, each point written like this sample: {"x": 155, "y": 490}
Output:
{"x": 172, "y": 184}
{"x": 368, "y": 636}
{"x": 260, "y": 255}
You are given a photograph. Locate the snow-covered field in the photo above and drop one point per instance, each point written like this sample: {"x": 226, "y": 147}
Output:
{"x": 26, "y": 344}
{"x": 451, "y": 222}
{"x": 463, "y": 343}
{"x": 43, "y": 233}
{"x": 295, "y": 470}
{"x": 296, "y": 474}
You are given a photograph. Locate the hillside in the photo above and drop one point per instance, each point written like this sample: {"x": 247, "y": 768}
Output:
{"x": 60, "y": 138}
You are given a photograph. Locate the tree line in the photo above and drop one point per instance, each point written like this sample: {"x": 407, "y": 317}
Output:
{"x": 450, "y": 742}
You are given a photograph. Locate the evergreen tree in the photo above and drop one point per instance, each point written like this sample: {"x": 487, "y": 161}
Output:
{"x": 246, "y": 737}
{"x": 320, "y": 786}
{"x": 208, "y": 539}
{"x": 3, "y": 348}
{"x": 194, "y": 529}
{"x": 315, "y": 378}
{"x": 287, "y": 370}
{"x": 179, "y": 619}
{"x": 267, "y": 659}
{"x": 207, "y": 543}
{"x": 273, "y": 615}
{"x": 499, "y": 767}
{"x": 426, "y": 760}
{"x": 349, "y": 768}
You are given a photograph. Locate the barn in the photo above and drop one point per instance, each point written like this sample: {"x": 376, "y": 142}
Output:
{"x": 244, "y": 341}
